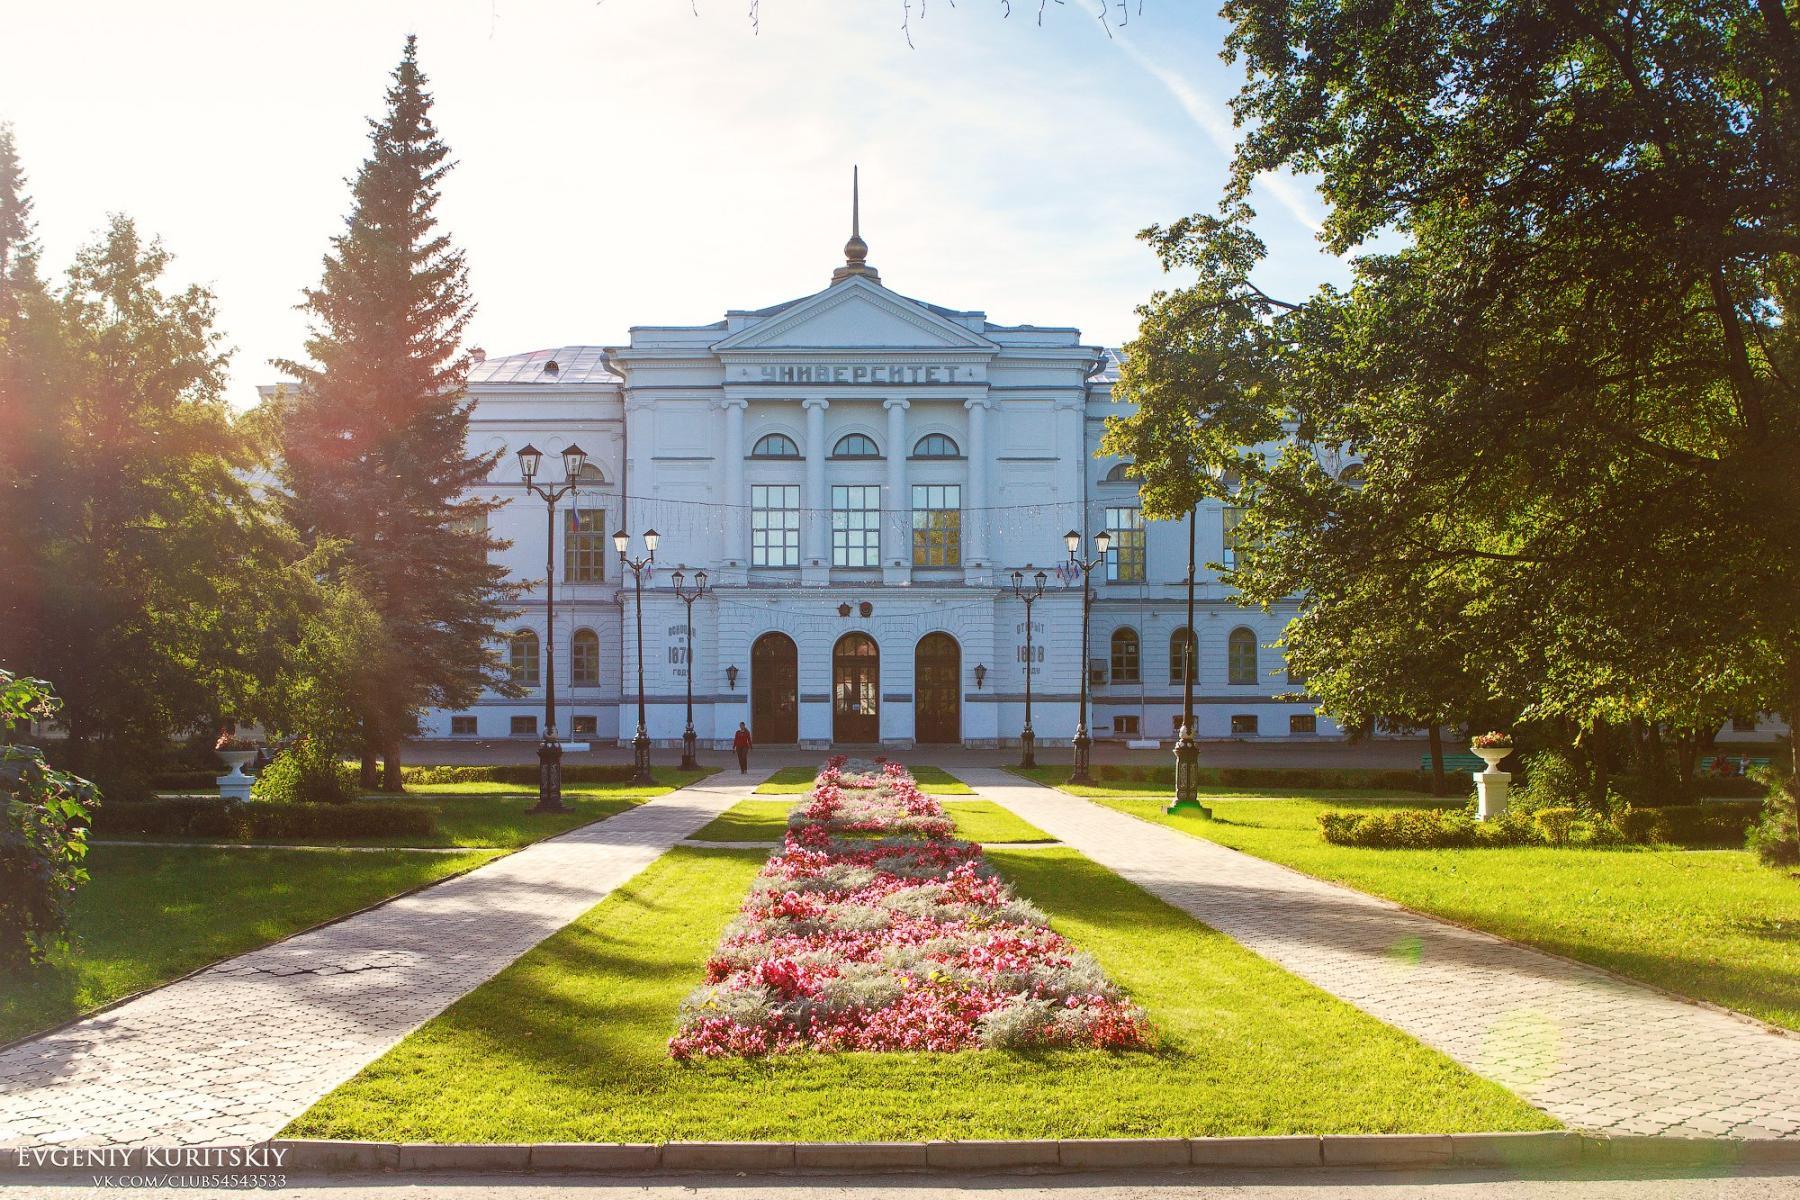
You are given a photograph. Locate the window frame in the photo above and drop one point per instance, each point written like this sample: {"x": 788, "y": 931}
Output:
{"x": 585, "y": 550}
{"x": 786, "y": 534}
{"x": 464, "y": 725}
{"x": 838, "y": 452}
{"x": 855, "y": 531}
{"x": 1127, "y": 560}
{"x": 1309, "y": 720}
{"x": 1245, "y": 725}
{"x": 919, "y": 451}
{"x": 1193, "y": 660}
{"x": 937, "y": 525}
{"x": 522, "y": 725}
{"x": 535, "y": 675}
{"x": 576, "y": 656}
{"x": 1234, "y": 652}
{"x": 757, "y": 451}
{"x": 1122, "y": 637}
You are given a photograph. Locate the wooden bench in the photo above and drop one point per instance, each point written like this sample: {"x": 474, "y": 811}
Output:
{"x": 1739, "y": 762}
{"x": 1458, "y": 761}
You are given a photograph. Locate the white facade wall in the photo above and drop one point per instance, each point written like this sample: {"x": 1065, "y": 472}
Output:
{"x": 669, "y": 421}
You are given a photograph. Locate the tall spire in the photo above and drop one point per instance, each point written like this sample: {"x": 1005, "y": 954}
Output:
{"x": 856, "y": 251}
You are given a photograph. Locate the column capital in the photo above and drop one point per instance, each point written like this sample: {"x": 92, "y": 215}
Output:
{"x": 892, "y": 403}
{"x": 975, "y": 402}
{"x": 818, "y": 402}
{"x": 731, "y": 402}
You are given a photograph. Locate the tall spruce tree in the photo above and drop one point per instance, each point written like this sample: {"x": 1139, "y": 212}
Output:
{"x": 374, "y": 439}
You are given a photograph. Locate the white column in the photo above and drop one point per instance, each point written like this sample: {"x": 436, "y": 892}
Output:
{"x": 896, "y": 559}
{"x": 735, "y": 518}
{"x": 974, "y": 523}
{"x": 815, "y": 558}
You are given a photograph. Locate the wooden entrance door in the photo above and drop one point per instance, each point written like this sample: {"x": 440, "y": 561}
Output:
{"x": 856, "y": 689}
{"x": 774, "y": 690}
{"x": 937, "y": 690}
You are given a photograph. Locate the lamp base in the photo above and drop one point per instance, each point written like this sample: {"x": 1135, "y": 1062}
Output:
{"x": 550, "y": 779}
{"x": 640, "y": 758}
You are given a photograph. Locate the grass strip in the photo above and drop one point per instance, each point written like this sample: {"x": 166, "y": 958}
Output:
{"x": 152, "y": 914}
{"x": 1715, "y": 925}
{"x": 569, "y": 1043}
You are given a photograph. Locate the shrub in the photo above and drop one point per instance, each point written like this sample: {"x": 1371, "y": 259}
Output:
{"x": 1642, "y": 825}
{"x": 306, "y": 773}
{"x": 1411, "y": 829}
{"x": 1714, "y": 824}
{"x": 1772, "y": 837}
{"x": 526, "y": 775}
{"x": 41, "y": 840}
{"x": 1552, "y": 780}
{"x": 215, "y": 817}
{"x": 1273, "y": 777}
{"x": 1556, "y": 822}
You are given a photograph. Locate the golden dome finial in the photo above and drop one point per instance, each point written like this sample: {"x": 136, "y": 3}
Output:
{"x": 856, "y": 251}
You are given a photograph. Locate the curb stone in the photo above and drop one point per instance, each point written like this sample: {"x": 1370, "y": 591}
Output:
{"x": 1428, "y": 1151}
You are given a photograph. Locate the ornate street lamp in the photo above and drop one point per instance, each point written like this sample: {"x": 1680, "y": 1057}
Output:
{"x": 688, "y": 762}
{"x": 1086, "y": 566}
{"x": 550, "y": 749}
{"x": 1187, "y": 750}
{"x": 1028, "y": 739}
{"x": 640, "y": 745}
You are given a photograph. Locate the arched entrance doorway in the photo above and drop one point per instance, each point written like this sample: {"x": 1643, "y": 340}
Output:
{"x": 937, "y": 690}
{"x": 855, "y": 689}
{"x": 774, "y": 690}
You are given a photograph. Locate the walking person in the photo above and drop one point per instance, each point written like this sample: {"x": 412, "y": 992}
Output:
{"x": 740, "y": 742}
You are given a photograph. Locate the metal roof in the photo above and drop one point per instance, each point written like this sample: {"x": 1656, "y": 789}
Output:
{"x": 575, "y": 366}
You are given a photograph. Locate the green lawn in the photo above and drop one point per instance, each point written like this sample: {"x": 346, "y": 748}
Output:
{"x": 569, "y": 1043}
{"x": 766, "y": 821}
{"x": 497, "y": 814}
{"x": 797, "y": 781}
{"x": 151, "y": 914}
{"x": 1712, "y": 924}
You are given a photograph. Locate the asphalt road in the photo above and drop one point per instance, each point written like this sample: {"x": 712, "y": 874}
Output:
{"x": 1186, "y": 1185}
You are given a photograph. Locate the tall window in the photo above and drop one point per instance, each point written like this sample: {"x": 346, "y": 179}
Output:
{"x": 775, "y": 445}
{"x": 1182, "y": 655}
{"x": 1233, "y": 542}
{"x": 775, "y": 525}
{"x": 1295, "y": 675}
{"x": 1125, "y": 557}
{"x": 937, "y": 524}
{"x": 855, "y": 525}
{"x": 524, "y": 659}
{"x": 936, "y": 445}
{"x": 584, "y": 659}
{"x": 1125, "y": 655}
{"x": 855, "y": 445}
{"x": 584, "y": 545}
{"x": 1240, "y": 656}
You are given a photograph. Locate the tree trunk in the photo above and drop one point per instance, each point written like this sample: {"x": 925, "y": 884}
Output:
{"x": 390, "y": 768}
{"x": 1793, "y": 781}
{"x": 366, "y": 770}
{"x": 1435, "y": 734}
{"x": 1601, "y": 756}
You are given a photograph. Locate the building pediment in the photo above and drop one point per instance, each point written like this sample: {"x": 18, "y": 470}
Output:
{"x": 854, "y": 314}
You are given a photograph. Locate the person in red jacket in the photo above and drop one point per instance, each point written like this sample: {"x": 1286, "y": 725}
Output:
{"x": 741, "y": 743}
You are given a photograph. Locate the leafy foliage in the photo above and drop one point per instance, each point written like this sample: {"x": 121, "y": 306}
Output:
{"x": 308, "y": 772}
{"x": 42, "y": 842}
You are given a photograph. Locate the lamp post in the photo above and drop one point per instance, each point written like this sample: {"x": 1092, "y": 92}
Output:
{"x": 1187, "y": 750}
{"x": 640, "y": 745}
{"x": 1072, "y": 540}
{"x": 1028, "y": 739}
{"x": 550, "y": 749}
{"x": 688, "y": 762}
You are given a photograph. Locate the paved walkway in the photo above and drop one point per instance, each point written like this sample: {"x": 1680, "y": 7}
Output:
{"x": 236, "y": 1052}
{"x": 1594, "y": 1051}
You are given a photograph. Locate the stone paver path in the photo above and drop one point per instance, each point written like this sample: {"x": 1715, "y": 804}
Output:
{"x": 234, "y": 1053}
{"x": 1594, "y": 1051}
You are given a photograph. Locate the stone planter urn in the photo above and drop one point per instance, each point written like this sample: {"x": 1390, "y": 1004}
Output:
{"x": 1491, "y": 785}
{"x": 234, "y": 784}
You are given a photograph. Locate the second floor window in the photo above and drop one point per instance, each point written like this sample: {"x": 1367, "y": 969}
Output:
{"x": 585, "y": 545}
{"x": 855, "y": 525}
{"x": 1125, "y": 557}
{"x": 1125, "y": 655}
{"x": 1233, "y": 541}
{"x": 523, "y": 662}
{"x": 775, "y": 525}
{"x": 1240, "y": 657}
{"x": 937, "y": 524}
{"x": 1182, "y": 653}
{"x": 584, "y": 659}
{"x": 774, "y": 445}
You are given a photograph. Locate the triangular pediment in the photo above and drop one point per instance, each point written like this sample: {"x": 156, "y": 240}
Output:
{"x": 855, "y": 315}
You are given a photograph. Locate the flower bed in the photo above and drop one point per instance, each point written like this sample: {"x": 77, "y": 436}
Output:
{"x": 874, "y": 929}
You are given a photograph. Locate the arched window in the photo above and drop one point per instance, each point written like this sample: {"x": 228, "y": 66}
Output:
{"x": 1240, "y": 656}
{"x": 1125, "y": 655}
{"x": 584, "y": 659}
{"x": 775, "y": 445}
{"x": 1117, "y": 474}
{"x": 1182, "y": 654}
{"x": 524, "y": 659}
{"x": 855, "y": 445}
{"x": 590, "y": 475}
{"x": 1352, "y": 477}
{"x": 936, "y": 445}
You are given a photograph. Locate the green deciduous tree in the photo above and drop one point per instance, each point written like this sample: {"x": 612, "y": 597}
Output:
{"x": 42, "y": 841}
{"x": 373, "y": 439}
{"x": 1566, "y": 366}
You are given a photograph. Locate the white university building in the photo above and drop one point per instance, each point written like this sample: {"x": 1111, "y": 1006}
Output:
{"x": 859, "y": 474}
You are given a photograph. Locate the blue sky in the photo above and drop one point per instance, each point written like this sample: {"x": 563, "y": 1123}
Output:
{"x": 630, "y": 162}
